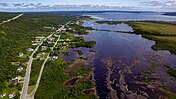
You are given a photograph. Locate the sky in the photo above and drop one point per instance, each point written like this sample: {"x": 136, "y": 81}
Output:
{"x": 42, "y": 5}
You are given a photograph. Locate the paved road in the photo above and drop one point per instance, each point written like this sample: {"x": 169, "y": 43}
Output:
{"x": 31, "y": 95}
{"x": 28, "y": 70}
{"x": 11, "y": 19}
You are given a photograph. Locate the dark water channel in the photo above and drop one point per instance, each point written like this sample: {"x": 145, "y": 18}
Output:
{"x": 130, "y": 55}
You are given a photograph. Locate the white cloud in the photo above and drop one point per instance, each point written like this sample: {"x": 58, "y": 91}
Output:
{"x": 159, "y": 4}
{"x": 32, "y": 6}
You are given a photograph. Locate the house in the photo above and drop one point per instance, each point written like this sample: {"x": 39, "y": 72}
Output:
{"x": 11, "y": 95}
{"x": 48, "y": 27}
{"x": 69, "y": 28}
{"x": 64, "y": 29}
{"x": 20, "y": 68}
{"x": 64, "y": 44}
{"x": 30, "y": 49}
{"x": 3, "y": 95}
{"x": 42, "y": 57}
{"x": 44, "y": 48}
{"x": 34, "y": 44}
{"x": 51, "y": 39}
{"x": 21, "y": 54}
{"x": 55, "y": 35}
{"x": 53, "y": 57}
{"x": 67, "y": 39}
{"x": 16, "y": 80}
{"x": 16, "y": 63}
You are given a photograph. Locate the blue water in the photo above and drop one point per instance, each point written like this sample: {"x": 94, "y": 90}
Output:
{"x": 125, "y": 48}
{"x": 122, "y": 16}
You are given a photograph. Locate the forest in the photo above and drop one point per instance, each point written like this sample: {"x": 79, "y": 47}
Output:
{"x": 17, "y": 35}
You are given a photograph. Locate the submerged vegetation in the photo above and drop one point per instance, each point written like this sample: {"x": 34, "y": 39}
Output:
{"x": 171, "y": 71}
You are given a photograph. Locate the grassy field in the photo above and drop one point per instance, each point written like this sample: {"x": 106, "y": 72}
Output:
{"x": 155, "y": 28}
{"x": 164, "y": 33}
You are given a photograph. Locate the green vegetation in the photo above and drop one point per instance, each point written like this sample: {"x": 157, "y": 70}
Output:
{"x": 110, "y": 22}
{"x": 149, "y": 74}
{"x": 88, "y": 44}
{"x": 55, "y": 74}
{"x": 65, "y": 53}
{"x": 78, "y": 29}
{"x": 171, "y": 71}
{"x": 16, "y": 36}
{"x": 163, "y": 43}
{"x": 79, "y": 52}
{"x": 5, "y": 16}
{"x": 172, "y": 96}
{"x": 82, "y": 70}
{"x": 84, "y": 58}
{"x": 154, "y": 28}
{"x": 77, "y": 90}
{"x": 164, "y": 33}
{"x": 35, "y": 69}
{"x": 92, "y": 50}
{"x": 52, "y": 81}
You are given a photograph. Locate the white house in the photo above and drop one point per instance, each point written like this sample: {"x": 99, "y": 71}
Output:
{"x": 53, "y": 57}
{"x": 11, "y": 95}
{"x": 20, "y": 68}
{"x": 21, "y": 54}
{"x": 30, "y": 49}
{"x": 3, "y": 95}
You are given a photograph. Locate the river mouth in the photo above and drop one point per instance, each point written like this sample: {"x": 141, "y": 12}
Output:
{"x": 126, "y": 66}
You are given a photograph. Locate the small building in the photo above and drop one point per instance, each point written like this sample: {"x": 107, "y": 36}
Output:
{"x": 55, "y": 35}
{"x": 50, "y": 39}
{"x": 16, "y": 80}
{"x": 3, "y": 95}
{"x": 11, "y": 95}
{"x": 48, "y": 27}
{"x": 69, "y": 28}
{"x": 44, "y": 48}
{"x": 20, "y": 68}
{"x": 30, "y": 49}
{"x": 34, "y": 44}
{"x": 65, "y": 44}
{"x": 21, "y": 54}
{"x": 42, "y": 57}
{"x": 64, "y": 29}
{"x": 67, "y": 39}
{"x": 53, "y": 57}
